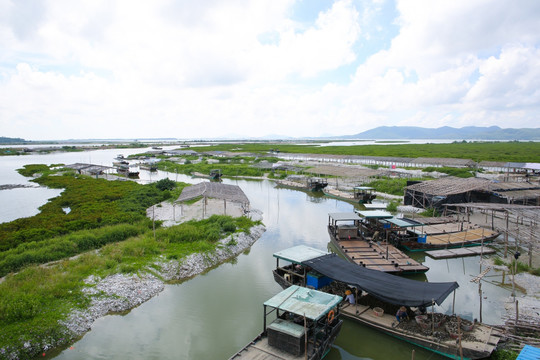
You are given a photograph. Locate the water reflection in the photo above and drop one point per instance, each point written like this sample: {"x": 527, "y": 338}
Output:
{"x": 213, "y": 315}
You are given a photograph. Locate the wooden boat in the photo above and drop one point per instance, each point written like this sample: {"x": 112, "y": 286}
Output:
{"x": 328, "y": 272}
{"x": 414, "y": 235}
{"x": 149, "y": 167}
{"x": 214, "y": 175}
{"x": 120, "y": 163}
{"x": 127, "y": 171}
{"x": 120, "y": 157}
{"x": 307, "y": 323}
{"x": 360, "y": 194}
{"x": 351, "y": 243}
{"x": 309, "y": 184}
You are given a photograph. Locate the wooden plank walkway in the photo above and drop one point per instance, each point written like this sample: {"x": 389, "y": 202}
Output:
{"x": 459, "y": 252}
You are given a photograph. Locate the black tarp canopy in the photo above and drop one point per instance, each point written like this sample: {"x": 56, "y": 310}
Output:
{"x": 386, "y": 287}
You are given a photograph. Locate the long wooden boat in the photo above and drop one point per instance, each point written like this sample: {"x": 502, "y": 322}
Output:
{"x": 359, "y": 195}
{"x": 414, "y": 235}
{"x": 214, "y": 176}
{"x": 351, "y": 243}
{"x": 309, "y": 184}
{"x": 385, "y": 293}
{"x": 306, "y": 324}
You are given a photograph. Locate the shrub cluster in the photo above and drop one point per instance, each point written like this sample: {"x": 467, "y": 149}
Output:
{"x": 211, "y": 229}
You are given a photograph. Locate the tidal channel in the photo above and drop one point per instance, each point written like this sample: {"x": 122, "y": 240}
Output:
{"x": 214, "y": 314}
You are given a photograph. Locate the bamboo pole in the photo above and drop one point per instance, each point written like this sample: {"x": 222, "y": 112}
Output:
{"x": 459, "y": 337}
{"x": 305, "y": 336}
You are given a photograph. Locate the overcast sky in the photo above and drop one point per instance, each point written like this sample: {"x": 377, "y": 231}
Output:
{"x": 211, "y": 68}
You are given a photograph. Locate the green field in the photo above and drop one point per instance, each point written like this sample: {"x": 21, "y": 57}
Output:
{"x": 477, "y": 151}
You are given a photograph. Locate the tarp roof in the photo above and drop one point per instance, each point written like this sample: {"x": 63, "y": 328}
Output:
{"x": 310, "y": 303}
{"x": 386, "y": 287}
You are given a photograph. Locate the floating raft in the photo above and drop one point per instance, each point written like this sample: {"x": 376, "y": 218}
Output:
{"x": 459, "y": 252}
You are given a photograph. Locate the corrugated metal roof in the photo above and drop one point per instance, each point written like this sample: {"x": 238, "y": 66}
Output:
{"x": 297, "y": 254}
{"x": 302, "y": 301}
{"x": 375, "y": 214}
{"x": 529, "y": 353}
{"x": 403, "y": 222}
{"x": 344, "y": 216}
{"x": 375, "y": 206}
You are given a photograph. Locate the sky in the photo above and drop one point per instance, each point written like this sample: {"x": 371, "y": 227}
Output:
{"x": 253, "y": 68}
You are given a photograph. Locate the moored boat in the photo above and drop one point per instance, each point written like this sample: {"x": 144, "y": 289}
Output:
{"x": 377, "y": 295}
{"x": 353, "y": 241}
{"x": 360, "y": 194}
{"x": 309, "y": 184}
{"x": 306, "y": 324}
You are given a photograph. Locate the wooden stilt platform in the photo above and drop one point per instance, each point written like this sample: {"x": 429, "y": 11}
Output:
{"x": 459, "y": 252}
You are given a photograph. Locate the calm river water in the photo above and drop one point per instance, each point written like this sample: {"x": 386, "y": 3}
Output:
{"x": 214, "y": 314}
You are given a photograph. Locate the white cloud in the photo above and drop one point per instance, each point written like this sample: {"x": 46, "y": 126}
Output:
{"x": 191, "y": 69}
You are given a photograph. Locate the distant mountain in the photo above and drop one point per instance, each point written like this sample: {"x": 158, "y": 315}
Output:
{"x": 8, "y": 140}
{"x": 447, "y": 132}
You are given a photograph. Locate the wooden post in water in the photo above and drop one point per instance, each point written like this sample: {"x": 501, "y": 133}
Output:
{"x": 480, "y": 293}
{"x": 517, "y": 312}
{"x": 412, "y": 355}
{"x": 305, "y": 337}
{"x": 432, "y": 316}
{"x": 459, "y": 337}
{"x": 454, "y": 303}
{"x": 506, "y": 237}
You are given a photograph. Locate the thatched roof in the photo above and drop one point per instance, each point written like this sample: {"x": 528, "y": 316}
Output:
{"x": 449, "y": 186}
{"x": 214, "y": 190}
{"x": 452, "y": 185}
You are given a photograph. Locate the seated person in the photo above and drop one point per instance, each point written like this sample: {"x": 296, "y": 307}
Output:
{"x": 401, "y": 314}
{"x": 349, "y": 297}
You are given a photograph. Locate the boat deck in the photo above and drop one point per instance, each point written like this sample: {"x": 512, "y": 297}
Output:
{"x": 340, "y": 194}
{"x": 462, "y": 237}
{"x": 374, "y": 256}
{"x": 485, "y": 338}
{"x": 460, "y": 252}
{"x": 259, "y": 349}
{"x": 445, "y": 228}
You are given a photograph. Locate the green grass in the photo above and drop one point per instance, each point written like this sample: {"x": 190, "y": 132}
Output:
{"x": 227, "y": 169}
{"x": 521, "y": 267}
{"x": 34, "y": 300}
{"x": 94, "y": 203}
{"x": 394, "y": 186}
{"x": 458, "y": 172}
{"x": 477, "y": 151}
